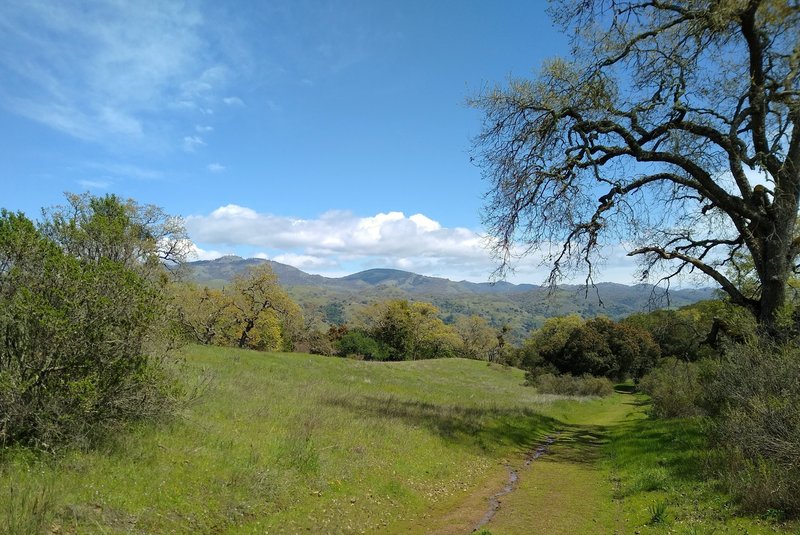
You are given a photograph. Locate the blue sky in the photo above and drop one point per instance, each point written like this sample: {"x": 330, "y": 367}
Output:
{"x": 333, "y": 136}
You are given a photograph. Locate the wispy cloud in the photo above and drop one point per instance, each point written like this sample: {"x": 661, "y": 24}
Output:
{"x": 304, "y": 261}
{"x": 233, "y": 101}
{"x": 94, "y": 184}
{"x": 191, "y": 143}
{"x": 122, "y": 170}
{"x": 106, "y": 71}
{"x": 215, "y": 167}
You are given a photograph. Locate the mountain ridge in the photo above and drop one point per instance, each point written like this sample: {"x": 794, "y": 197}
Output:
{"x": 522, "y": 307}
{"x": 225, "y": 267}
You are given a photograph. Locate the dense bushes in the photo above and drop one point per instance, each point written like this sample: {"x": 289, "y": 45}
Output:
{"x": 754, "y": 399}
{"x": 359, "y": 344}
{"x": 77, "y": 348}
{"x": 674, "y": 387}
{"x": 396, "y": 329}
{"x": 696, "y": 331}
{"x": 678, "y": 333}
{"x": 569, "y": 385}
{"x": 751, "y": 398}
{"x": 409, "y": 330}
{"x": 597, "y": 346}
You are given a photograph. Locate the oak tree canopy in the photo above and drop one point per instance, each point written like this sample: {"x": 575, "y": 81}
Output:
{"x": 671, "y": 129}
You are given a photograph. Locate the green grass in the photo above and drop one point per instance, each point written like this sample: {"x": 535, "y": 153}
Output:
{"x": 293, "y": 443}
{"x": 663, "y": 479}
{"x": 566, "y": 491}
{"x": 290, "y": 442}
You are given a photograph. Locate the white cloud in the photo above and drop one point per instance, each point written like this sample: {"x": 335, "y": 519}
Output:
{"x": 417, "y": 242}
{"x": 273, "y": 106}
{"x": 126, "y": 170}
{"x": 191, "y": 143}
{"x": 303, "y": 261}
{"x": 203, "y": 129}
{"x": 340, "y": 242}
{"x": 233, "y": 101}
{"x": 337, "y": 232}
{"x": 196, "y": 253}
{"x": 203, "y": 87}
{"x": 215, "y": 167}
{"x": 94, "y": 184}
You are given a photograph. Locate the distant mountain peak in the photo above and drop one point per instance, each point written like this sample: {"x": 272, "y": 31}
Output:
{"x": 381, "y": 275}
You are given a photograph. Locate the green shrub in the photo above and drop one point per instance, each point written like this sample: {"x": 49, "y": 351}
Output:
{"x": 674, "y": 387}
{"x": 78, "y": 353}
{"x": 317, "y": 343}
{"x": 359, "y": 344}
{"x": 761, "y": 485}
{"x": 568, "y": 385}
{"x": 658, "y": 513}
{"x": 598, "y": 346}
{"x": 754, "y": 399}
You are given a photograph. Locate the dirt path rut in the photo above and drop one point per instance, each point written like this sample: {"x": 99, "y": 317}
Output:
{"x": 559, "y": 487}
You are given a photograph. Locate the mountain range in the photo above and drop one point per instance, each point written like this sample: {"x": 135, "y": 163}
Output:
{"x": 522, "y": 307}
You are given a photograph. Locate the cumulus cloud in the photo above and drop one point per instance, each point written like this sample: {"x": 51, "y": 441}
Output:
{"x": 340, "y": 242}
{"x": 336, "y": 232}
{"x": 196, "y": 253}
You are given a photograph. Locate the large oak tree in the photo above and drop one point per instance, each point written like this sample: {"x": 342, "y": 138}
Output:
{"x": 672, "y": 128}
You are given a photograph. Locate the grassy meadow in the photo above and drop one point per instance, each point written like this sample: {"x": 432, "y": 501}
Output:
{"x": 295, "y": 443}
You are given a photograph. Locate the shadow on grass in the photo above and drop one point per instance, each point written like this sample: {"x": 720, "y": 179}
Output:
{"x": 672, "y": 449}
{"x": 484, "y": 427}
{"x": 580, "y": 444}
{"x": 677, "y": 446}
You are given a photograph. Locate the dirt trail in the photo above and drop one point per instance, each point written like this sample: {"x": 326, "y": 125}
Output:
{"x": 557, "y": 487}
{"x": 513, "y": 480}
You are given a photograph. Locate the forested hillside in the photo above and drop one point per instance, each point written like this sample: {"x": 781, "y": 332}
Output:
{"x": 522, "y": 307}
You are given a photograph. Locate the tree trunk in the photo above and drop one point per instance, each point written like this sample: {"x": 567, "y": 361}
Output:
{"x": 778, "y": 261}
{"x": 248, "y": 326}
